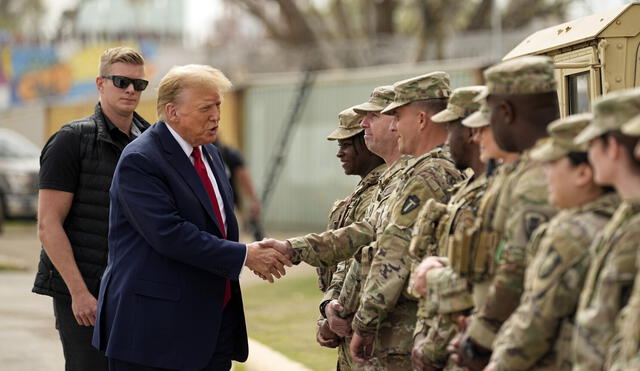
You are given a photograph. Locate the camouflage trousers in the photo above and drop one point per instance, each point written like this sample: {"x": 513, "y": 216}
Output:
{"x": 433, "y": 335}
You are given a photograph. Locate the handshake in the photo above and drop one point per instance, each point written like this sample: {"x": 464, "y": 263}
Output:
{"x": 267, "y": 258}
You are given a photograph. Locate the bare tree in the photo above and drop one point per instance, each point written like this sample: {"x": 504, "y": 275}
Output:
{"x": 359, "y": 25}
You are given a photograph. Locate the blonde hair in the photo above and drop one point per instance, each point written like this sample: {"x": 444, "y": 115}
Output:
{"x": 188, "y": 76}
{"x": 120, "y": 54}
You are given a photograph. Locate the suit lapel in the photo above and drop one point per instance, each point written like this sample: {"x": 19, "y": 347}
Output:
{"x": 184, "y": 167}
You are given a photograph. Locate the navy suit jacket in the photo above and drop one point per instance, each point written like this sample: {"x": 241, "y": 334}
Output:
{"x": 161, "y": 297}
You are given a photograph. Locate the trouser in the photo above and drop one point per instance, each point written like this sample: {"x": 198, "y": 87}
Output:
{"x": 79, "y": 354}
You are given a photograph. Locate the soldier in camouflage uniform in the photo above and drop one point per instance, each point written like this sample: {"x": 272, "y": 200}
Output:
{"x": 610, "y": 278}
{"x": 385, "y": 319}
{"x": 429, "y": 348}
{"x": 625, "y": 354}
{"x": 356, "y": 160}
{"x": 522, "y": 98}
{"x": 380, "y": 140}
{"x": 537, "y": 336}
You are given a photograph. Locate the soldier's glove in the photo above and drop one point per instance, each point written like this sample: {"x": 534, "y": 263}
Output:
{"x": 325, "y": 336}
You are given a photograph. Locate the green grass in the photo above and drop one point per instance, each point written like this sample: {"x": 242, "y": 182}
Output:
{"x": 283, "y": 317}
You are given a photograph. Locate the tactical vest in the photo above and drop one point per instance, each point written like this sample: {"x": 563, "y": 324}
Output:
{"x": 347, "y": 211}
{"x": 388, "y": 182}
{"x": 87, "y": 223}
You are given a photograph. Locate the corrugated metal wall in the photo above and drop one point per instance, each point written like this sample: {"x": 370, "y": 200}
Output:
{"x": 312, "y": 178}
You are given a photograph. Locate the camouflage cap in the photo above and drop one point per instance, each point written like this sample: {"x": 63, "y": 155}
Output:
{"x": 525, "y": 75}
{"x": 562, "y": 133}
{"x": 381, "y": 97}
{"x": 430, "y": 86}
{"x": 632, "y": 127}
{"x": 461, "y": 104}
{"x": 479, "y": 118}
{"x": 348, "y": 125}
{"x": 610, "y": 112}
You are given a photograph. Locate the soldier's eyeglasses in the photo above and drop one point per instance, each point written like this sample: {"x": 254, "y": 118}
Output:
{"x": 123, "y": 82}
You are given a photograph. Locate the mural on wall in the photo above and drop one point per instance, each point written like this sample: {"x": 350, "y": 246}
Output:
{"x": 56, "y": 73}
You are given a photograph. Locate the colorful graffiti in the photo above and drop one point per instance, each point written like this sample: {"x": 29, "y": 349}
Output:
{"x": 56, "y": 73}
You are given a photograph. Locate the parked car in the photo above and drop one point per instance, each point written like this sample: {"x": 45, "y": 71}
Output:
{"x": 19, "y": 166}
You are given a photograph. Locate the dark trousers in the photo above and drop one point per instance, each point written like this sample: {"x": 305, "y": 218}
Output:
{"x": 221, "y": 360}
{"x": 79, "y": 355}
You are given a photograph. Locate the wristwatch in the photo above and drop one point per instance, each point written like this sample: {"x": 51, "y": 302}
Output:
{"x": 472, "y": 351}
{"x": 323, "y": 306}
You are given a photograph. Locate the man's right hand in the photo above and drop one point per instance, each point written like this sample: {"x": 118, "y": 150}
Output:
{"x": 340, "y": 326}
{"x": 266, "y": 262}
{"x": 84, "y": 307}
{"x": 420, "y": 274}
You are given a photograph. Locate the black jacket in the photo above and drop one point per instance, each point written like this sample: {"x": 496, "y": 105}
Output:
{"x": 87, "y": 223}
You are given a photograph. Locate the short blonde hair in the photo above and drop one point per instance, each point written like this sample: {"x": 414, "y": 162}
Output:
{"x": 188, "y": 76}
{"x": 120, "y": 54}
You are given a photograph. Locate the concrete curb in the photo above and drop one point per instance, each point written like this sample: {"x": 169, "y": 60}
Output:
{"x": 263, "y": 358}
{"x": 8, "y": 263}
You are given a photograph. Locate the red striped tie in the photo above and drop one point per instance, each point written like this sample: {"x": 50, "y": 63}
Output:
{"x": 202, "y": 172}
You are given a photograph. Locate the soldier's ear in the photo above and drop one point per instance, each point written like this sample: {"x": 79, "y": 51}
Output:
{"x": 584, "y": 175}
{"x": 507, "y": 111}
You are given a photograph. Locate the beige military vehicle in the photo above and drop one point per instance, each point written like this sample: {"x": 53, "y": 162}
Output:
{"x": 594, "y": 55}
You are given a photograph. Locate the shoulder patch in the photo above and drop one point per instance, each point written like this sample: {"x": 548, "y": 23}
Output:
{"x": 550, "y": 263}
{"x": 533, "y": 220}
{"x": 410, "y": 203}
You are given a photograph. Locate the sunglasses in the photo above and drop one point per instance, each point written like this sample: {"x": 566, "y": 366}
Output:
{"x": 123, "y": 82}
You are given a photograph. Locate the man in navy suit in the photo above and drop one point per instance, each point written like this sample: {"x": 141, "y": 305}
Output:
{"x": 170, "y": 297}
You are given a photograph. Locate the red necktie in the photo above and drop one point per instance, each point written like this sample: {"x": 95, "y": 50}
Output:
{"x": 202, "y": 172}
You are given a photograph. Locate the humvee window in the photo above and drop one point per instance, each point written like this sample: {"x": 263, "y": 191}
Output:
{"x": 578, "y": 92}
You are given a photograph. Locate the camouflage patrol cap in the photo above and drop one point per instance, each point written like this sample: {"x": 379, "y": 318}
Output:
{"x": 525, "y": 75}
{"x": 562, "y": 133}
{"x": 381, "y": 97}
{"x": 632, "y": 127}
{"x": 610, "y": 112}
{"x": 479, "y": 118}
{"x": 461, "y": 104}
{"x": 348, "y": 125}
{"x": 430, "y": 86}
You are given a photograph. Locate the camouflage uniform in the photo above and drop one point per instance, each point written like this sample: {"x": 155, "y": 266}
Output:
{"x": 537, "y": 336}
{"x": 456, "y": 288}
{"x": 354, "y": 207}
{"x": 343, "y": 213}
{"x": 434, "y": 231}
{"x": 521, "y": 205}
{"x": 383, "y": 311}
{"x": 625, "y": 352}
{"x": 447, "y": 291}
{"x": 608, "y": 287}
{"x": 346, "y": 289}
{"x": 610, "y": 278}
